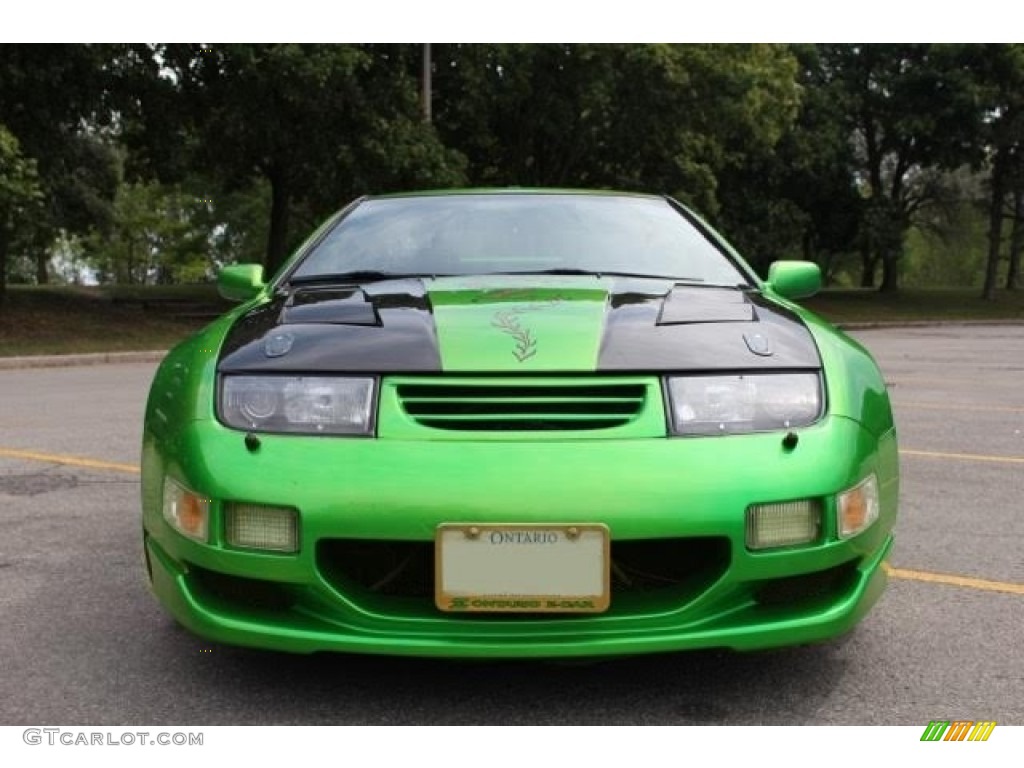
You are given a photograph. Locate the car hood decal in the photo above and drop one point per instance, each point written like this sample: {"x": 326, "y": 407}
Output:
{"x": 518, "y": 323}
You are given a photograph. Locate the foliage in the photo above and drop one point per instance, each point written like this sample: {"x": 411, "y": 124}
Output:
{"x": 667, "y": 118}
{"x": 159, "y": 234}
{"x": 799, "y": 200}
{"x": 20, "y": 200}
{"x": 1000, "y": 71}
{"x": 52, "y": 98}
{"x": 909, "y": 108}
{"x": 160, "y": 162}
{"x": 317, "y": 123}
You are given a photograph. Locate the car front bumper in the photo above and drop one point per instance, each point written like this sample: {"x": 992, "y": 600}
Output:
{"x": 686, "y": 492}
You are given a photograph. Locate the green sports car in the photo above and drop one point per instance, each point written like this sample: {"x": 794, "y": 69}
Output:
{"x": 518, "y": 423}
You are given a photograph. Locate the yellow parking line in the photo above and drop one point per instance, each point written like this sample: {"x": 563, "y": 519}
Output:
{"x": 72, "y": 461}
{"x": 962, "y": 456}
{"x": 955, "y": 406}
{"x": 949, "y": 579}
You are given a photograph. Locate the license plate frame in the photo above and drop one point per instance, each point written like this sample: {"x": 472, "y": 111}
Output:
{"x": 522, "y": 568}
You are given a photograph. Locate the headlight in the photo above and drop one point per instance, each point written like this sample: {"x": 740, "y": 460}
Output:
{"x": 714, "y": 405}
{"x": 305, "y": 404}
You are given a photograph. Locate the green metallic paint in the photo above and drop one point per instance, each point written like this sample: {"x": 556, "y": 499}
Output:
{"x": 240, "y": 282}
{"x": 401, "y": 488}
{"x": 537, "y": 324}
{"x": 638, "y": 481}
{"x": 742, "y": 627}
{"x": 794, "y": 279}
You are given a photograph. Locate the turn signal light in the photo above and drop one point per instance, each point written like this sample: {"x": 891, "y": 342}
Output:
{"x": 857, "y": 508}
{"x": 187, "y": 512}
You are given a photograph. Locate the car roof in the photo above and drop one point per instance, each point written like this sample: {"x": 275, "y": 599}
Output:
{"x": 512, "y": 191}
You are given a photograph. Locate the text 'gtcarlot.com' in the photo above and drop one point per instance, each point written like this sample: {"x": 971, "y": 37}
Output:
{"x": 60, "y": 736}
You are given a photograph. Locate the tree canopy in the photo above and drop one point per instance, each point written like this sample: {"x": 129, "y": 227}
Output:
{"x": 164, "y": 161}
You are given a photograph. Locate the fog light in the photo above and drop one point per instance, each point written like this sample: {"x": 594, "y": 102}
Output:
{"x": 256, "y": 526}
{"x": 783, "y": 524}
{"x": 857, "y": 508}
{"x": 186, "y": 511}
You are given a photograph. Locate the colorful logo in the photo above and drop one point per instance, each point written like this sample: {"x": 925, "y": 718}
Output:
{"x": 958, "y": 730}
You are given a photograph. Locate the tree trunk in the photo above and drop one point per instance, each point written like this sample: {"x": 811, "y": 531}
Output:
{"x": 131, "y": 261}
{"x": 3, "y": 266}
{"x": 42, "y": 275}
{"x": 995, "y": 227}
{"x": 867, "y": 267}
{"x": 280, "y": 210}
{"x": 890, "y": 272}
{"x": 1016, "y": 241}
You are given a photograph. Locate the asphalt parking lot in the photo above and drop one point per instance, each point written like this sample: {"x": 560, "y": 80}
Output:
{"x": 85, "y": 643}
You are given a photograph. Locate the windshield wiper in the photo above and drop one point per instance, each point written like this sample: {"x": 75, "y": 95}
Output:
{"x": 357, "y": 276}
{"x": 598, "y": 273}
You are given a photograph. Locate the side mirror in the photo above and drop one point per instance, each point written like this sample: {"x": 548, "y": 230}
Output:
{"x": 240, "y": 282}
{"x": 794, "y": 279}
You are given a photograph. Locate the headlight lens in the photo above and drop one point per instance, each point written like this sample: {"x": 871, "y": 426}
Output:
{"x": 719, "y": 405}
{"x": 305, "y": 404}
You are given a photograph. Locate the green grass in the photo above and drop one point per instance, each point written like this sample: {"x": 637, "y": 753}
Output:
{"x": 64, "y": 320}
{"x": 915, "y": 305}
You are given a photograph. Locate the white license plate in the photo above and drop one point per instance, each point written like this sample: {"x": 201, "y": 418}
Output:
{"x": 522, "y": 568}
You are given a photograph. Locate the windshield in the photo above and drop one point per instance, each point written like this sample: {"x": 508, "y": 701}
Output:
{"x": 481, "y": 234}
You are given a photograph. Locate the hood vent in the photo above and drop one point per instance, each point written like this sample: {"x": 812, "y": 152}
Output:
{"x": 706, "y": 305}
{"x": 338, "y": 306}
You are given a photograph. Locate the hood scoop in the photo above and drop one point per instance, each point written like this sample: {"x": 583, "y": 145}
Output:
{"x": 335, "y": 306}
{"x": 684, "y": 305}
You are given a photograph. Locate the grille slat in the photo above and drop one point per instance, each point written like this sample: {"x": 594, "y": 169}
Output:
{"x": 529, "y": 406}
{"x": 524, "y": 399}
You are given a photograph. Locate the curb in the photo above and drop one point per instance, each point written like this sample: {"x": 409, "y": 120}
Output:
{"x": 97, "y": 358}
{"x": 867, "y": 325}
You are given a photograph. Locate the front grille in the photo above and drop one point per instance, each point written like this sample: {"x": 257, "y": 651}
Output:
{"x": 646, "y": 574}
{"x": 529, "y": 406}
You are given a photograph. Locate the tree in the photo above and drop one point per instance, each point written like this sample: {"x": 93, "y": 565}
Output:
{"x": 176, "y": 233}
{"x": 1001, "y": 114}
{"x": 52, "y": 98}
{"x": 319, "y": 123}
{"x": 20, "y": 200}
{"x": 1013, "y": 280}
{"x": 908, "y": 109}
{"x": 666, "y": 118}
{"x": 798, "y": 198}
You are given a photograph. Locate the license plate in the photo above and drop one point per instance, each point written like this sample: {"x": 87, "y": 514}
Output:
{"x": 522, "y": 568}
